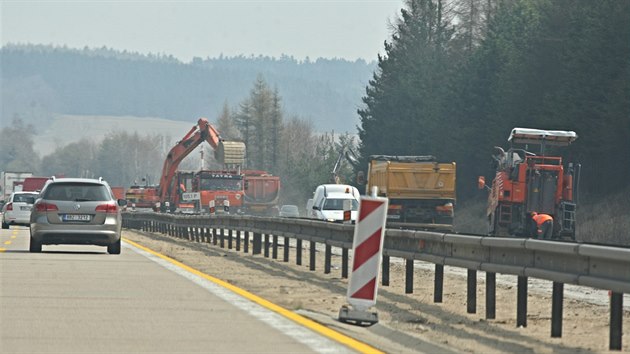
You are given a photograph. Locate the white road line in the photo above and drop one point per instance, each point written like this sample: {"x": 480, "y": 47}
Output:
{"x": 303, "y": 335}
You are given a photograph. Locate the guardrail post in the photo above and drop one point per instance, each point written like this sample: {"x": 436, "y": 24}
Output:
{"x": 222, "y": 237}
{"x": 327, "y": 256}
{"x": 471, "y": 306}
{"x": 230, "y": 237}
{"x": 215, "y": 236}
{"x": 616, "y": 320}
{"x": 491, "y": 295}
{"x": 385, "y": 271}
{"x": 286, "y": 249}
{"x": 266, "y": 245}
{"x": 344, "y": 262}
{"x": 408, "y": 276}
{"x": 246, "y": 241}
{"x": 438, "y": 283}
{"x": 521, "y": 302}
{"x": 257, "y": 245}
{"x": 274, "y": 250}
{"x": 298, "y": 252}
{"x": 556, "y": 309}
{"x": 237, "y": 234}
{"x": 311, "y": 260}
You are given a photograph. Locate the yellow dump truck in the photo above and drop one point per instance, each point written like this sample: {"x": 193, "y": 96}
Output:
{"x": 421, "y": 191}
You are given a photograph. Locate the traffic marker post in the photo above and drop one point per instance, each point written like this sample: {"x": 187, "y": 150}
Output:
{"x": 369, "y": 233}
{"x": 211, "y": 207}
{"x": 226, "y": 206}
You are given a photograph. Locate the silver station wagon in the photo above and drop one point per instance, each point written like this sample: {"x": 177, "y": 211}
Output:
{"x": 76, "y": 211}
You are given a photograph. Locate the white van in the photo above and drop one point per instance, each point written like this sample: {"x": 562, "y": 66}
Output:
{"x": 328, "y": 201}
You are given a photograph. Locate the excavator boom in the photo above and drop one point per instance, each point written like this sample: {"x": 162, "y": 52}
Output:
{"x": 230, "y": 153}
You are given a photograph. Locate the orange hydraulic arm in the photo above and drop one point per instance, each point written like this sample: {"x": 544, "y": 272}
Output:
{"x": 203, "y": 131}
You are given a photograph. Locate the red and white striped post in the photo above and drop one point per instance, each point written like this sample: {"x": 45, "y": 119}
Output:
{"x": 369, "y": 234}
{"x": 211, "y": 208}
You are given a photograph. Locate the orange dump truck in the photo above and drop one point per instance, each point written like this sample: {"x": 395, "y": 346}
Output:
{"x": 262, "y": 192}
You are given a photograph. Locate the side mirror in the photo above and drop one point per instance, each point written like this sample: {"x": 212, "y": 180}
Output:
{"x": 122, "y": 202}
{"x": 481, "y": 182}
{"x": 315, "y": 207}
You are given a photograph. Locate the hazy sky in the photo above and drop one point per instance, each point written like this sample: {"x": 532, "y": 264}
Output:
{"x": 348, "y": 29}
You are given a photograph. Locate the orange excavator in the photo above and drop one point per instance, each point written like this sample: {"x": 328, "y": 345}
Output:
{"x": 224, "y": 187}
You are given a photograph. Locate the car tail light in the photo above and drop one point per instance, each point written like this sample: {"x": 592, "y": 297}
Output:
{"x": 45, "y": 207}
{"x": 108, "y": 208}
{"x": 9, "y": 206}
{"x": 445, "y": 209}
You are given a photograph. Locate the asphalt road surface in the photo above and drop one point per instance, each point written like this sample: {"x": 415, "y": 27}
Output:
{"x": 81, "y": 299}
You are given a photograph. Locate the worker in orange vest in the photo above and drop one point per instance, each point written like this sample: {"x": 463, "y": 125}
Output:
{"x": 542, "y": 225}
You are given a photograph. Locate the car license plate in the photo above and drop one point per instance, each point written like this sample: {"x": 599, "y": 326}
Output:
{"x": 25, "y": 208}
{"x": 76, "y": 217}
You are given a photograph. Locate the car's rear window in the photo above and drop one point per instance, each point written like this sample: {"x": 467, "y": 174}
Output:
{"x": 24, "y": 198}
{"x": 77, "y": 192}
{"x": 337, "y": 204}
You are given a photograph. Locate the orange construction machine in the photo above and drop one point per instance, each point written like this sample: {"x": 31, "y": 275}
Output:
{"x": 262, "y": 192}
{"x": 200, "y": 188}
{"x": 527, "y": 182}
{"x": 143, "y": 197}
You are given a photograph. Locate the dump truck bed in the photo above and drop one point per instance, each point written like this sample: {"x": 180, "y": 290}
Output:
{"x": 413, "y": 179}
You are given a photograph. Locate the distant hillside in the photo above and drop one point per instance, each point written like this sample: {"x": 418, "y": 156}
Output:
{"x": 38, "y": 81}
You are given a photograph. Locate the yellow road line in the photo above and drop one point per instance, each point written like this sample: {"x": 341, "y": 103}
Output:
{"x": 323, "y": 330}
{"x": 13, "y": 236}
{"x": 7, "y": 242}
{"x": 2, "y": 249}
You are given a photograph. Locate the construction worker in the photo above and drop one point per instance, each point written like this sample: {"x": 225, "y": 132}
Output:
{"x": 542, "y": 225}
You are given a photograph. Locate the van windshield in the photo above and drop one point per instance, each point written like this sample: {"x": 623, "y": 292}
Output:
{"x": 337, "y": 204}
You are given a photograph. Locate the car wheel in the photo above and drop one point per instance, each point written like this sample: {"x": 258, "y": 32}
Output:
{"x": 5, "y": 225}
{"x": 114, "y": 248}
{"x": 35, "y": 246}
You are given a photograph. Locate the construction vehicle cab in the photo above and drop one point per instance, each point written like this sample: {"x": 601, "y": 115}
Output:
{"x": 528, "y": 182}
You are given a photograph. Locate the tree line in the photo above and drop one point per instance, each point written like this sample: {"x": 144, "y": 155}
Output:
{"x": 458, "y": 75}
{"x": 39, "y": 80}
{"x": 286, "y": 146}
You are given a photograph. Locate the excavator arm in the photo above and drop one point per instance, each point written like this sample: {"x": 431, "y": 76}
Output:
{"x": 350, "y": 156}
{"x": 230, "y": 153}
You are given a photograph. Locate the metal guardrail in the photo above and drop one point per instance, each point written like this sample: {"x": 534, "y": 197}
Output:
{"x": 603, "y": 267}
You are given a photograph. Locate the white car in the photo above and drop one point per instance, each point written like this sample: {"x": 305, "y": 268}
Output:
{"x": 329, "y": 201}
{"x": 17, "y": 210}
{"x": 289, "y": 211}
